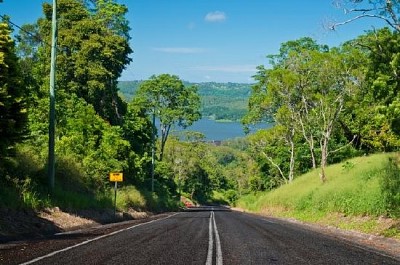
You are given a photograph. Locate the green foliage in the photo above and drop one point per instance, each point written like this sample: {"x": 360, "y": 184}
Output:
{"x": 356, "y": 191}
{"x": 304, "y": 94}
{"x": 390, "y": 185}
{"x": 130, "y": 197}
{"x": 219, "y": 101}
{"x": 93, "y": 50}
{"x": 372, "y": 114}
{"x": 224, "y": 101}
{"x": 347, "y": 165}
{"x": 208, "y": 173}
{"x": 166, "y": 97}
{"x": 13, "y": 113}
{"x": 269, "y": 148}
{"x": 231, "y": 196}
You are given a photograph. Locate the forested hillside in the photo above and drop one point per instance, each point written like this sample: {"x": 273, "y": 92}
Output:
{"x": 219, "y": 101}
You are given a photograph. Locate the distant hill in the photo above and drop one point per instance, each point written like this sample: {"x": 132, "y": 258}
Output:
{"x": 219, "y": 101}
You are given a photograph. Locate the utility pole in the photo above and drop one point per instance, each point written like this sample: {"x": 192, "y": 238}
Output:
{"x": 153, "y": 151}
{"x": 51, "y": 162}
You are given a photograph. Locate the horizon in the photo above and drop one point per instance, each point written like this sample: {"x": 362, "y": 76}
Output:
{"x": 186, "y": 81}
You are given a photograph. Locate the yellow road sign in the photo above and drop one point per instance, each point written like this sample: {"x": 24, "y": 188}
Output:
{"x": 115, "y": 176}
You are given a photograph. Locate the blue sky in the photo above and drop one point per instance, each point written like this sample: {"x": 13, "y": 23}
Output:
{"x": 214, "y": 40}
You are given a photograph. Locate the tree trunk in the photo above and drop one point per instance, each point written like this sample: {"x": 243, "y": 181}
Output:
{"x": 322, "y": 175}
{"x": 310, "y": 140}
{"x": 314, "y": 163}
{"x": 164, "y": 136}
{"x": 324, "y": 158}
{"x": 291, "y": 165}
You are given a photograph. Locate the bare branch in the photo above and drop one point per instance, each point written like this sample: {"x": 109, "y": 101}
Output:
{"x": 340, "y": 148}
{"x": 396, "y": 27}
{"x": 389, "y": 8}
{"x": 275, "y": 165}
{"x": 358, "y": 10}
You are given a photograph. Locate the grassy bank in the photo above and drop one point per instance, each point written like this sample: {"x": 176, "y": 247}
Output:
{"x": 24, "y": 186}
{"x": 360, "y": 194}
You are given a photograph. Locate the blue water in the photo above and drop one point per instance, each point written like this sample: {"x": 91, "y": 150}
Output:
{"x": 217, "y": 131}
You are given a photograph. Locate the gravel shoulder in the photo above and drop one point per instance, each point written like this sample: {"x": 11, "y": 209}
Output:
{"x": 381, "y": 244}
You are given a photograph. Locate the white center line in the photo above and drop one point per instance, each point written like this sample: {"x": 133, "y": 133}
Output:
{"x": 212, "y": 229}
{"x": 218, "y": 243}
{"x": 210, "y": 241}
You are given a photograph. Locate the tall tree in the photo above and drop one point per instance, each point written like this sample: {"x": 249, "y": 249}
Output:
{"x": 278, "y": 95}
{"x": 93, "y": 51}
{"x": 374, "y": 111}
{"x": 13, "y": 113}
{"x": 166, "y": 97}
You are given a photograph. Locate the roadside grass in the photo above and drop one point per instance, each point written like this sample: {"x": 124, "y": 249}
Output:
{"x": 130, "y": 197}
{"x": 23, "y": 185}
{"x": 352, "y": 198}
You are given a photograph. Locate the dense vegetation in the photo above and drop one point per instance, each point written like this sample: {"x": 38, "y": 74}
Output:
{"x": 219, "y": 101}
{"x": 328, "y": 104}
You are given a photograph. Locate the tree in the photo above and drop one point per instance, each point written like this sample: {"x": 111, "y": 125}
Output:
{"x": 13, "y": 113}
{"x": 306, "y": 91}
{"x": 93, "y": 50}
{"x": 279, "y": 96}
{"x": 272, "y": 145}
{"x": 372, "y": 114}
{"x": 166, "y": 97}
{"x": 385, "y": 10}
{"x": 91, "y": 142}
{"x": 137, "y": 129}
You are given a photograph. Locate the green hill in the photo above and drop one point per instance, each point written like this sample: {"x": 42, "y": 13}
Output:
{"x": 362, "y": 193}
{"x": 219, "y": 101}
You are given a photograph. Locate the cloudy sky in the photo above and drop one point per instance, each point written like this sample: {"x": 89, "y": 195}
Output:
{"x": 214, "y": 40}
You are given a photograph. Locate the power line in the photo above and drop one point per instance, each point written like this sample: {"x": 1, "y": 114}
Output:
{"x": 35, "y": 36}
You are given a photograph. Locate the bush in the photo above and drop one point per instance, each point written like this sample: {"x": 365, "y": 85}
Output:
{"x": 390, "y": 186}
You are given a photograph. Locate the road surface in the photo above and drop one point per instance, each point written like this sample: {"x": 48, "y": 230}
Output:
{"x": 208, "y": 236}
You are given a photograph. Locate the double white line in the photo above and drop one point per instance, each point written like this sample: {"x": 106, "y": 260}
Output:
{"x": 212, "y": 229}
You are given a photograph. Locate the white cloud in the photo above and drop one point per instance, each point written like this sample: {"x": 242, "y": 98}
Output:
{"x": 179, "y": 50}
{"x": 216, "y": 16}
{"x": 228, "y": 68}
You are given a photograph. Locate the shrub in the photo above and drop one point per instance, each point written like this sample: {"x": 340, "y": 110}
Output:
{"x": 390, "y": 185}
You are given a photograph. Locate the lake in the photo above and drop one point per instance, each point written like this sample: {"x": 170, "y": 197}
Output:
{"x": 218, "y": 131}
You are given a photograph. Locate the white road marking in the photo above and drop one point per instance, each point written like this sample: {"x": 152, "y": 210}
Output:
{"x": 218, "y": 243}
{"x": 210, "y": 241}
{"x": 268, "y": 221}
{"x": 91, "y": 240}
{"x": 212, "y": 229}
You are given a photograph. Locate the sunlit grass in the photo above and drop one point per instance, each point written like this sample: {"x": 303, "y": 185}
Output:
{"x": 129, "y": 197}
{"x": 353, "y": 189}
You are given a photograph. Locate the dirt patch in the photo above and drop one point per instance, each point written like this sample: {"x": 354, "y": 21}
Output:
{"x": 23, "y": 224}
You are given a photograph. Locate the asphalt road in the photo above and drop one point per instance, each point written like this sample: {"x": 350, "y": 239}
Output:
{"x": 218, "y": 236}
